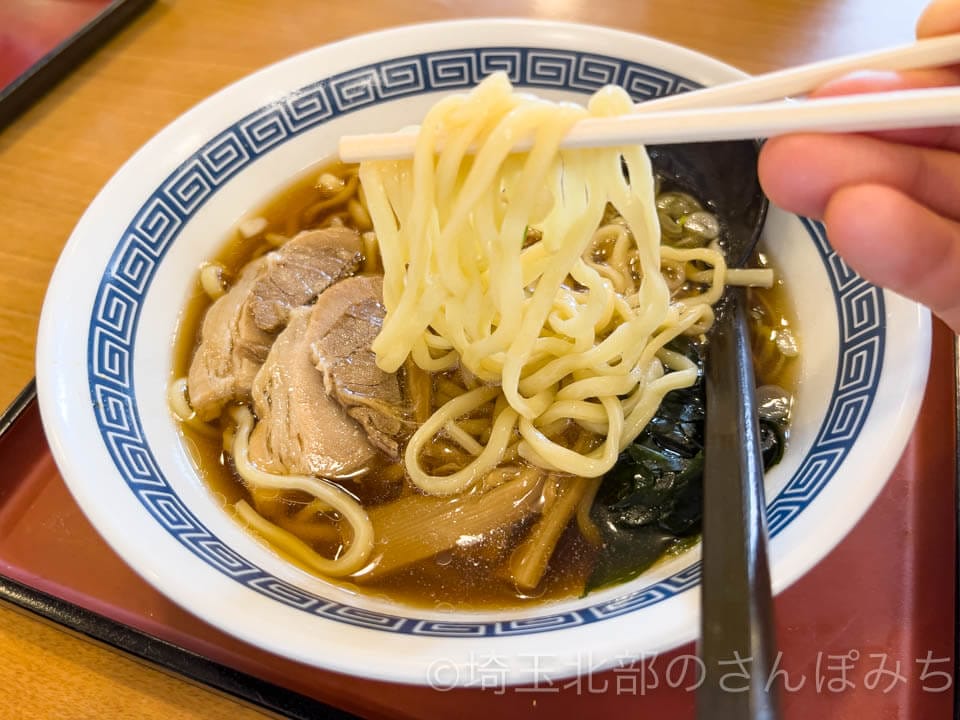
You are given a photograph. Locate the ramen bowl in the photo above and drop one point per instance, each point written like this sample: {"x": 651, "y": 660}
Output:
{"x": 105, "y": 357}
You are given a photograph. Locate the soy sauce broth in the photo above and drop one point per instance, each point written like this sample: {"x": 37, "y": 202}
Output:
{"x": 460, "y": 580}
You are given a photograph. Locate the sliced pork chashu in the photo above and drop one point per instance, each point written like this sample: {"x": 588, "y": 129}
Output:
{"x": 301, "y": 429}
{"x": 302, "y": 269}
{"x": 343, "y": 325}
{"x": 231, "y": 349}
{"x": 240, "y": 327}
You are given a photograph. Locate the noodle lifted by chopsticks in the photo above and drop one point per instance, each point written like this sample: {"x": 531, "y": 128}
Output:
{"x": 491, "y": 261}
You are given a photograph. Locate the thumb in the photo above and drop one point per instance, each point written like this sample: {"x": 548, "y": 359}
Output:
{"x": 893, "y": 241}
{"x": 940, "y": 18}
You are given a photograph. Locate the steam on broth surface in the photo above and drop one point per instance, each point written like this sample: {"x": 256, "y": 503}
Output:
{"x": 404, "y": 500}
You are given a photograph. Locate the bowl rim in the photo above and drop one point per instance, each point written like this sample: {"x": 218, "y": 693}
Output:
{"x": 57, "y": 420}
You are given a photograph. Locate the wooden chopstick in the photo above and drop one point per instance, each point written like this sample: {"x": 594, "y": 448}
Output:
{"x": 928, "y": 53}
{"x": 929, "y": 107}
{"x": 663, "y": 121}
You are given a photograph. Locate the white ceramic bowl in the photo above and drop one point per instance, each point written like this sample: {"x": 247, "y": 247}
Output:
{"x": 105, "y": 354}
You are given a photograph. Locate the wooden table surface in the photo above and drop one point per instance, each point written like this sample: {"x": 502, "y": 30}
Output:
{"x": 55, "y": 158}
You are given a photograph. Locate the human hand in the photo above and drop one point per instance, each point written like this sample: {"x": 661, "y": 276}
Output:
{"x": 890, "y": 201}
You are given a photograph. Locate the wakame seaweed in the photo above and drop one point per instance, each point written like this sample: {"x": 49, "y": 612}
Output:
{"x": 651, "y": 502}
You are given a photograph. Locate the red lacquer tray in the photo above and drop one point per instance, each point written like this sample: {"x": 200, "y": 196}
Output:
{"x": 43, "y": 40}
{"x": 869, "y": 633}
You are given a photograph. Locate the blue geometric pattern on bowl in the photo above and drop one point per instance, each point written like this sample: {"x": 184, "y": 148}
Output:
{"x": 158, "y": 223}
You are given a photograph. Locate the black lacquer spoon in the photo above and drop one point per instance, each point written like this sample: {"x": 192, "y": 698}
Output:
{"x": 737, "y": 643}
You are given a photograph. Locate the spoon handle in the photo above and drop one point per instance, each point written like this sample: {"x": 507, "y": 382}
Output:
{"x": 737, "y": 633}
